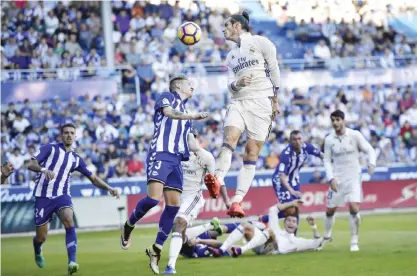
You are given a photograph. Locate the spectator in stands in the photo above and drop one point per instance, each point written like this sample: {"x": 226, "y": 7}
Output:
{"x": 387, "y": 60}
{"x": 20, "y": 124}
{"x": 135, "y": 166}
{"x": 121, "y": 168}
{"x": 51, "y": 22}
{"x": 317, "y": 178}
{"x": 108, "y": 131}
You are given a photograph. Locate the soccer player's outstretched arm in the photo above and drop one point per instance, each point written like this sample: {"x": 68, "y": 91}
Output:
{"x": 178, "y": 115}
{"x": 312, "y": 223}
{"x": 40, "y": 156}
{"x": 366, "y": 147}
{"x": 204, "y": 158}
{"x": 274, "y": 210}
{"x": 96, "y": 181}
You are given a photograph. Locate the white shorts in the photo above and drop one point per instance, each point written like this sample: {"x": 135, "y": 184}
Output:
{"x": 252, "y": 115}
{"x": 191, "y": 206}
{"x": 349, "y": 190}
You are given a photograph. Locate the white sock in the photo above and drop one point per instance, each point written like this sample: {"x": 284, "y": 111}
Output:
{"x": 194, "y": 232}
{"x": 174, "y": 248}
{"x": 234, "y": 237}
{"x": 328, "y": 225}
{"x": 244, "y": 180}
{"x": 260, "y": 238}
{"x": 224, "y": 160}
{"x": 354, "y": 222}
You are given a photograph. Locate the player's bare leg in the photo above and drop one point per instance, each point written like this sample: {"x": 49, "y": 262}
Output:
{"x": 155, "y": 191}
{"x": 172, "y": 200}
{"x": 66, "y": 216}
{"x": 245, "y": 176}
{"x": 224, "y": 160}
{"x": 329, "y": 223}
{"x": 354, "y": 222}
{"x": 38, "y": 240}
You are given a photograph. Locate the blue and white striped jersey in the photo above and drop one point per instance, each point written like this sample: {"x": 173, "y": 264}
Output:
{"x": 290, "y": 163}
{"x": 170, "y": 136}
{"x": 53, "y": 157}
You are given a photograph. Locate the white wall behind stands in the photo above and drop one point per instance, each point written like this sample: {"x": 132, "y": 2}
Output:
{"x": 100, "y": 211}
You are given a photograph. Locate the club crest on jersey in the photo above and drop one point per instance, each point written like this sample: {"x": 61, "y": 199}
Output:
{"x": 252, "y": 49}
{"x": 165, "y": 101}
{"x": 243, "y": 63}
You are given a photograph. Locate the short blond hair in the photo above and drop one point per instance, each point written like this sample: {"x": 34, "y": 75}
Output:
{"x": 173, "y": 82}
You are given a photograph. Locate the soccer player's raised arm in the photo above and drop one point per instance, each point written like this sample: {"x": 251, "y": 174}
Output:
{"x": 39, "y": 158}
{"x": 314, "y": 151}
{"x": 96, "y": 181}
{"x": 178, "y": 115}
{"x": 366, "y": 147}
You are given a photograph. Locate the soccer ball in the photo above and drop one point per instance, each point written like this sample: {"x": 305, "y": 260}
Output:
{"x": 189, "y": 33}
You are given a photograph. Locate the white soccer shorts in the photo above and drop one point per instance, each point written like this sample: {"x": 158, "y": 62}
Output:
{"x": 191, "y": 206}
{"x": 349, "y": 190}
{"x": 252, "y": 115}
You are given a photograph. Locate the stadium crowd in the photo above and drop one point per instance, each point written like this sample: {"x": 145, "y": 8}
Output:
{"x": 113, "y": 135}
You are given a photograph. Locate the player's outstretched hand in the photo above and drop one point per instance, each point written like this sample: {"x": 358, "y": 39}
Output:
{"x": 297, "y": 202}
{"x": 310, "y": 220}
{"x": 114, "y": 192}
{"x": 49, "y": 174}
{"x": 371, "y": 169}
{"x": 243, "y": 81}
{"x": 7, "y": 169}
{"x": 333, "y": 185}
{"x": 200, "y": 116}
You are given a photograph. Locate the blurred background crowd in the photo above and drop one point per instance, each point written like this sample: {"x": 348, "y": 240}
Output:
{"x": 114, "y": 132}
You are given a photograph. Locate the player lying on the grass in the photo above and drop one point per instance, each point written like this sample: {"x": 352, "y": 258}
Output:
{"x": 198, "y": 240}
{"x": 272, "y": 240}
{"x": 192, "y": 200}
{"x": 54, "y": 164}
{"x": 286, "y": 178}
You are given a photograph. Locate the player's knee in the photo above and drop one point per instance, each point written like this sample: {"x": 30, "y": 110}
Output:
{"x": 179, "y": 225}
{"x": 41, "y": 238}
{"x": 251, "y": 153}
{"x": 329, "y": 213}
{"x": 68, "y": 221}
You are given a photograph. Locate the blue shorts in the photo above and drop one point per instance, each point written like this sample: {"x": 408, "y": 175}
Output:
{"x": 46, "y": 207}
{"x": 282, "y": 194}
{"x": 167, "y": 172}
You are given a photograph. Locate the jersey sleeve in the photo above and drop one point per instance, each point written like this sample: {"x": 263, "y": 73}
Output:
{"x": 328, "y": 159}
{"x": 366, "y": 147}
{"x": 269, "y": 52}
{"x": 312, "y": 150}
{"x": 164, "y": 100}
{"x": 42, "y": 154}
{"x": 284, "y": 163}
{"x": 82, "y": 168}
{"x": 231, "y": 78}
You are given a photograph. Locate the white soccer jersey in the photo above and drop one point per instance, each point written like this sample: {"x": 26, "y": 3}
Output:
{"x": 255, "y": 57}
{"x": 194, "y": 171}
{"x": 341, "y": 154}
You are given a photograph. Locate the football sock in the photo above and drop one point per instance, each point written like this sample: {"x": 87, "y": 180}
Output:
{"x": 142, "y": 207}
{"x": 165, "y": 224}
{"x": 244, "y": 180}
{"x": 328, "y": 225}
{"x": 196, "y": 231}
{"x": 259, "y": 238}
{"x": 234, "y": 237}
{"x": 354, "y": 222}
{"x": 224, "y": 161}
{"x": 175, "y": 248}
{"x": 71, "y": 242}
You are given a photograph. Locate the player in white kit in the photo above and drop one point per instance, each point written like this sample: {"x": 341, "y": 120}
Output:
{"x": 272, "y": 240}
{"x": 253, "y": 82}
{"x": 343, "y": 171}
{"x": 192, "y": 201}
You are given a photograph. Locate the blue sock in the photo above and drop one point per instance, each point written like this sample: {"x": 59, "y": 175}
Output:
{"x": 231, "y": 227}
{"x": 71, "y": 242}
{"x": 37, "y": 246}
{"x": 165, "y": 223}
{"x": 143, "y": 206}
{"x": 265, "y": 218}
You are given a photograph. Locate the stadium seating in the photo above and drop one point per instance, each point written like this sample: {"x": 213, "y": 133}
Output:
{"x": 114, "y": 139}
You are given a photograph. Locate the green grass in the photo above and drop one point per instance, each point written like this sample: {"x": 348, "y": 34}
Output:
{"x": 388, "y": 246}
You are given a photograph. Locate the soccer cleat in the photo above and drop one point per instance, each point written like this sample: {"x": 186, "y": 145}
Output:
{"x": 236, "y": 251}
{"x": 354, "y": 247}
{"x": 154, "y": 258}
{"x": 169, "y": 270}
{"x": 216, "y": 252}
{"x": 73, "y": 268}
{"x": 39, "y": 259}
{"x": 216, "y": 225}
{"x": 125, "y": 237}
{"x": 213, "y": 185}
{"x": 236, "y": 210}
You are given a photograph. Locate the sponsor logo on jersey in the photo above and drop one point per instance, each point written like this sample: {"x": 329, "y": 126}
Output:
{"x": 243, "y": 63}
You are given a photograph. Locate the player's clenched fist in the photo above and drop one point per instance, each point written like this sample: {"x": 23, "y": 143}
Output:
{"x": 310, "y": 220}
{"x": 243, "y": 81}
{"x": 200, "y": 116}
{"x": 49, "y": 174}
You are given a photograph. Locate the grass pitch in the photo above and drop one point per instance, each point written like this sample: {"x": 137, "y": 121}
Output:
{"x": 388, "y": 245}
